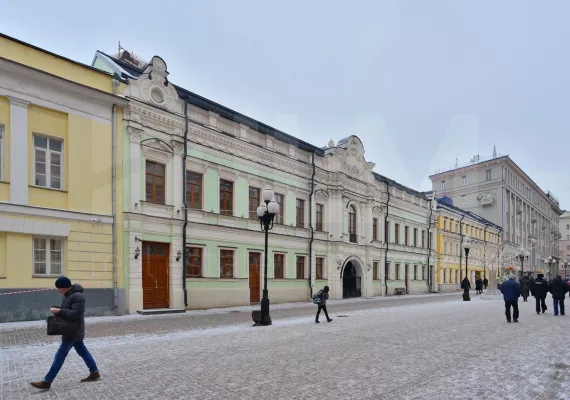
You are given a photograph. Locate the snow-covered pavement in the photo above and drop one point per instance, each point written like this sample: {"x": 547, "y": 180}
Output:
{"x": 417, "y": 348}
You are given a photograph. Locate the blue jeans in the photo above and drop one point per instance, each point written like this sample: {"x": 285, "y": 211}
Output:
{"x": 61, "y": 354}
{"x": 556, "y": 301}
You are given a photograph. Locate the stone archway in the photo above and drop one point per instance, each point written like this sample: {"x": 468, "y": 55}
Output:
{"x": 352, "y": 277}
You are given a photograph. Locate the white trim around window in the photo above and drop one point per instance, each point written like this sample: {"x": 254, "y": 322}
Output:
{"x": 46, "y": 156}
{"x": 48, "y": 255}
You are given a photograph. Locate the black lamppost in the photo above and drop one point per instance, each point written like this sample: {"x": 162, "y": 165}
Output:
{"x": 565, "y": 265}
{"x": 266, "y": 213}
{"x": 466, "y": 247}
{"x": 522, "y": 255}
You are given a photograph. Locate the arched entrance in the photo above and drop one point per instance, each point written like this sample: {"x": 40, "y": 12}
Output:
{"x": 352, "y": 277}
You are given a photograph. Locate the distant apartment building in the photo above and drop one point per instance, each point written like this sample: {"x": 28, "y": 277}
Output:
{"x": 565, "y": 242}
{"x": 497, "y": 189}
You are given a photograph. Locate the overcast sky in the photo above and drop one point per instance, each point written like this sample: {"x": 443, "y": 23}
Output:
{"x": 420, "y": 82}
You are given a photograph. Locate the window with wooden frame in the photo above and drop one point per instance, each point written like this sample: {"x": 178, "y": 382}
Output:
{"x": 300, "y": 267}
{"x": 424, "y": 270}
{"x": 320, "y": 261}
{"x": 278, "y": 266}
{"x": 444, "y": 276}
{"x": 386, "y": 231}
{"x": 415, "y": 237}
{"x": 254, "y": 202}
{"x": 226, "y": 263}
{"x": 387, "y": 271}
{"x": 423, "y": 239}
{"x": 406, "y": 235}
{"x": 155, "y": 182}
{"x": 47, "y": 256}
{"x": 397, "y": 233}
{"x": 374, "y": 228}
{"x": 280, "y": 214}
{"x": 352, "y": 224}
{"x": 226, "y": 197}
{"x": 300, "y": 213}
{"x": 415, "y": 272}
{"x": 48, "y": 162}
{"x": 375, "y": 270}
{"x": 194, "y": 262}
{"x": 194, "y": 190}
{"x": 431, "y": 240}
{"x": 319, "y": 217}
{"x": 397, "y": 272}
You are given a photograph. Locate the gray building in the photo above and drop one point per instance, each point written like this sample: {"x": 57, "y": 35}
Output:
{"x": 497, "y": 189}
{"x": 565, "y": 242}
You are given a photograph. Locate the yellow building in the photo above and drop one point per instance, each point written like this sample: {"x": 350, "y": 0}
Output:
{"x": 59, "y": 123}
{"x": 454, "y": 227}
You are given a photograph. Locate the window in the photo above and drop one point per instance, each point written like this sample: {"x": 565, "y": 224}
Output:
{"x": 47, "y": 256}
{"x": 352, "y": 224}
{"x": 397, "y": 272}
{"x": 430, "y": 240}
{"x": 300, "y": 267}
{"x": 386, "y": 271}
{"x": 194, "y": 190}
{"x": 1, "y": 151}
{"x": 374, "y": 228}
{"x": 423, "y": 239}
{"x": 193, "y": 262}
{"x": 397, "y": 233}
{"x": 279, "y": 200}
{"x": 278, "y": 266}
{"x": 319, "y": 264}
{"x": 464, "y": 180}
{"x": 386, "y": 231}
{"x": 567, "y": 226}
{"x": 445, "y": 248}
{"x": 48, "y": 162}
{"x": 415, "y": 237}
{"x": 406, "y": 235}
{"x": 424, "y": 273}
{"x": 488, "y": 175}
{"x": 254, "y": 202}
{"x": 300, "y": 213}
{"x": 226, "y": 263}
{"x": 444, "y": 276}
{"x": 226, "y": 197}
{"x": 319, "y": 217}
{"x": 415, "y": 272}
{"x": 442, "y": 185}
{"x": 375, "y": 270}
{"x": 445, "y": 224}
{"x": 155, "y": 190}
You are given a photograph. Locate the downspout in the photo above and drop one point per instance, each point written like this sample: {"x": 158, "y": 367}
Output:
{"x": 311, "y": 225}
{"x": 461, "y": 246}
{"x": 184, "y": 201}
{"x": 386, "y": 233}
{"x": 114, "y": 198}
{"x": 430, "y": 283}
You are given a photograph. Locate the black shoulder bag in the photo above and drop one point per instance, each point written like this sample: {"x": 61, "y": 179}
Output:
{"x": 57, "y": 326}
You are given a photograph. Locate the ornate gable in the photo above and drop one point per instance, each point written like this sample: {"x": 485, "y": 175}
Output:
{"x": 348, "y": 157}
{"x": 152, "y": 87}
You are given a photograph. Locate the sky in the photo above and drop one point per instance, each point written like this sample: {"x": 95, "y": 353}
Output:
{"x": 421, "y": 83}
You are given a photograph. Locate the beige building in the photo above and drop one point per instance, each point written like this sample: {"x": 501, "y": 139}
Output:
{"x": 497, "y": 189}
{"x": 565, "y": 242}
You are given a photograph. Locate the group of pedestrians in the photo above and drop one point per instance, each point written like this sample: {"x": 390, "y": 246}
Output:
{"x": 539, "y": 289}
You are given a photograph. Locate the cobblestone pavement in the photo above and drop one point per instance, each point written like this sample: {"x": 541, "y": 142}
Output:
{"x": 428, "y": 347}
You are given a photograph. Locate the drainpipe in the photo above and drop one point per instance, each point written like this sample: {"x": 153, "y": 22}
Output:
{"x": 114, "y": 198}
{"x": 184, "y": 201}
{"x": 386, "y": 238}
{"x": 311, "y": 224}
{"x": 430, "y": 283}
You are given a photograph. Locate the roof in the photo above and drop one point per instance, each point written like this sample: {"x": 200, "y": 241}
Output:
{"x": 391, "y": 182}
{"x": 457, "y": 210}
{"x": 226, "y": 112}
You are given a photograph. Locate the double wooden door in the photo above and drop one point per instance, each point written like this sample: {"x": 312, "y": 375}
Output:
{"x": 155, "y": 275}
{"x": 254, "y": 281}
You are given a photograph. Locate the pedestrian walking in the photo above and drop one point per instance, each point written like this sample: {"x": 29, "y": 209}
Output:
{"x": 558, "y": 288}
{"x": 525, "y": 288}
{"x": 72, "y": 309}
{"x": 324, "y": 295}
{"x": 479, "y": 286}
{"x": 511, "y": 291}
{"x": 539, "y": 289}
{"x": 465, "y": 284}
{"x": 485, "y": 283}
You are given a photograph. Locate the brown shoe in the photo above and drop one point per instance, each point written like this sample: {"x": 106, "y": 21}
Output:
{"x": 41, "y": 385}
{"x": 94, "y": 376}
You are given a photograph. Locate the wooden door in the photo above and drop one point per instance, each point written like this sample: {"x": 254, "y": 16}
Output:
{"x": 254, "y": 266}
{"x": 155, "y": 275}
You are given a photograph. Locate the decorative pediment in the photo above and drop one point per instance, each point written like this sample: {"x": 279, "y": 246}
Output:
{"x": 322, "y": 193}
{"x": 348, "y": 157}
{"x": 157, "y": 149}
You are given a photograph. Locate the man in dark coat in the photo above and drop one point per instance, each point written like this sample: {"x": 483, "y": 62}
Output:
{"x": 479, "y": 285}
{"x": 72, "y": 309}
{"x": 558, "y": 288}
{"x": 323, "y": 304}
{"x": 511, "y": 291}
{"x": 539, "y": 289}
{"x": 525, "y": 287}
{"x": 485, "y": 283}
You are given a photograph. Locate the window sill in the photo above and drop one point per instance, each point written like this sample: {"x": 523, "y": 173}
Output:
{"x": 47, "y": 188}
{"x": 3, "y": 181}
{"x": 46, "y": 276}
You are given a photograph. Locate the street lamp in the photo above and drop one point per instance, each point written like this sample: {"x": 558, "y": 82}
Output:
{"x": 466, "y": 247}
{"x": 266, "y": 213}
{"x": 524, "y": 254}
{"x": 550, "y": 262}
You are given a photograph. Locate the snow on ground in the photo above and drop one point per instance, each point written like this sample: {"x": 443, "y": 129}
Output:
{"x": 446, "y": 350}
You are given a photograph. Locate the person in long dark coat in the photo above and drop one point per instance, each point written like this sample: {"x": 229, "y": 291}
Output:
{"x": 485, "y": 283}
{"x": 525, "y": 288}
{"x": 479, "y": 286}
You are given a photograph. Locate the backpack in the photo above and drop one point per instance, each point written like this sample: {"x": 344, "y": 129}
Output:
{"x": 317, "y": 297}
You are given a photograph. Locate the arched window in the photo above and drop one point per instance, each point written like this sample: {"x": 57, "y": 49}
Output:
{"x": 352, "y": 224}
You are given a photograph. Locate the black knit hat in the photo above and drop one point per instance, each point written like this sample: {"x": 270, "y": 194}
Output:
{"x": 63, "y": 282}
